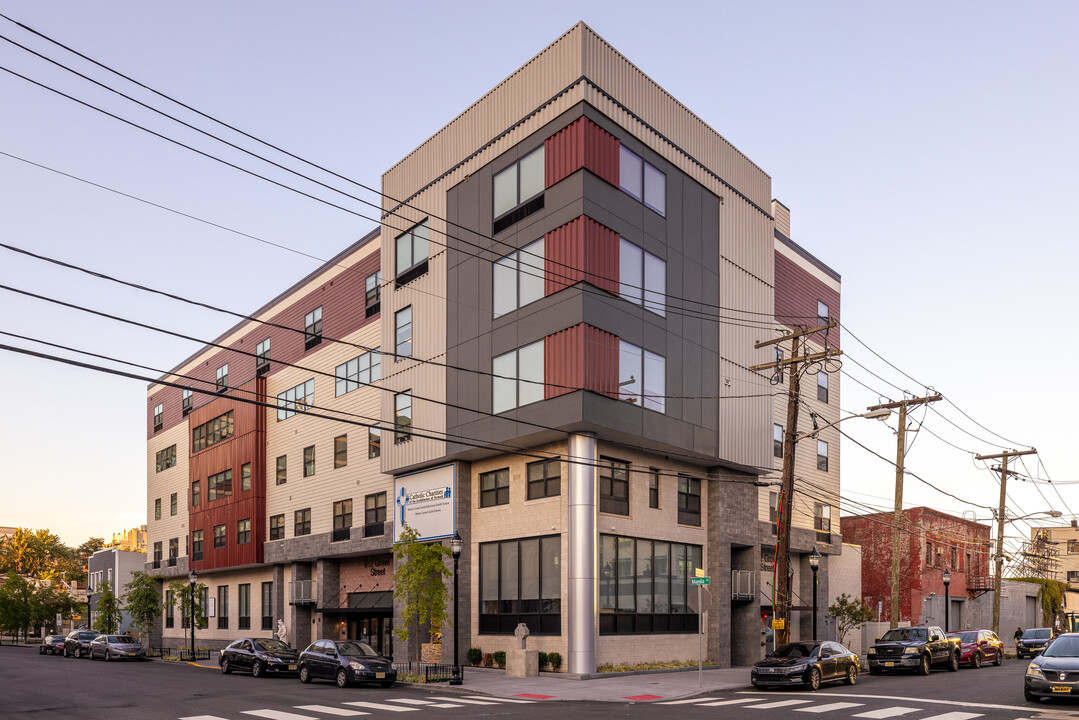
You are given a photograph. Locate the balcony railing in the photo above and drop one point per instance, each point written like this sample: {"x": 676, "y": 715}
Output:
{"x": 301, "y": 592}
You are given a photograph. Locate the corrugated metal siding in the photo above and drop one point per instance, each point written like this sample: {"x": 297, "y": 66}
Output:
{"x": 581, "y": 250}
{"x": 797, "y": 293}
{"x": 582, "y": 144}
{"x": 582, "y": 357}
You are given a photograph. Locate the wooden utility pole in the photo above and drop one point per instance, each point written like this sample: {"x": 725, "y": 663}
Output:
{"x": 781, "y": 578}
{"x": 897, "y": 520}
{"x": 999, "y": 559}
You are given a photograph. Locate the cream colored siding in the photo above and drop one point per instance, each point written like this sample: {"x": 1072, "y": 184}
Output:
{"x": 233, "y": 579}
{"x": 161, "y": 485}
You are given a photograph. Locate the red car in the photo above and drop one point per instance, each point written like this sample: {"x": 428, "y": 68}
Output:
{"x": 979, "y": 646}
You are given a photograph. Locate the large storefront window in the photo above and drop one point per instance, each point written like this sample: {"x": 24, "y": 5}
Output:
{"x": 521, "y": 582}
{"x": 644, "y": 585}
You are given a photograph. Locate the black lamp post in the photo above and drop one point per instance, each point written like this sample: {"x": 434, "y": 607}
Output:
{"x": 89, "y": 610}
{"x": 947, "y": 581}
{"x": 192, "y": 577}
{"x": 814, "y": 564}
{"x": 456, "y": 543}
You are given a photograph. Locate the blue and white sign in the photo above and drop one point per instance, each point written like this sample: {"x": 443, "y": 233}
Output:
{"x": 424, "y": 501}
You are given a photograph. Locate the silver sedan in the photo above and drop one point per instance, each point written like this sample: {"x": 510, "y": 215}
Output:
{"x": 117, "y": 647}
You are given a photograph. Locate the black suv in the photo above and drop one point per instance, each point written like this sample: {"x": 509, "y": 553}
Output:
{"x": 1033, "y": 641}
{"x": 913, "y": 648}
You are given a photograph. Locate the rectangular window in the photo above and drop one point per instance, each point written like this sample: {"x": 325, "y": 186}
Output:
{"x": 928, "y": 554}
{"x": 967, "y": 566}
{"x": 641, "y": 180}
{"x": 159, "y": 415}
{"x": 296, "y": 400}
{"x": 342, "y": 520}
{"x": 374, "y": 515}
{"x": 613, "y": 486}
{"x": 219, "y": 485}
{"x": 403, "y": 328}
{"x": 196, "y": 493}
{"x": 340, "y": 451}
{"x": 223, "y": 378}
{"x": 187, "y": 402}
{"x": 277, "y": 527}
{"x": 518, "y": 190}
{"x": 955, "y": 556}
{"x": 1073, "y": 576}
{"x": 220, "y": 536}
{"x": 196, "y": 545}
{"x": 243, "y": 531}
{"x": 822, "y": 313}
{"x": 518, "y": 377}
{"x": 689, "y": 501}
{"x": 210, "y": 433}
{"x": 822, "y": 522}
{"x": 642, "y": 377}
{"x": 174, "y": 551}
{"x": 243, "y": 605}
{"x": 282, "y": 469}
{"x": 157, "y": 555}
{"x": 653, "y": 488}
{"x": 157, "y": 509}
{"x": 374, "y": 442}
{"x": 773, "y": 511}
{"x": 778, "y": 357}
{"x": 267, "y": 606}
{"x": 777, "y": 441}
{"x": 312, "y": 328}
{"x": 262, "y": 357}
{"x": 357, "y": 372}
{"x": 373, "y": 294}
{"x": 642, "y": 277}
{"x": 402, "y": 416}
{"x": 172, "y": 504}
{"x": 166, "y": 458}
{"x": 170, "y": 610}
{"x": 245, "y": 476}
{"x": 309, "y": 461}
{"x": 411, "y": 250}
{"x": 822, "y": 386}
{"x": 519, "y": 278}
{"x": 302, "y": 522}
{"x": 222, "y": 607}
{"x": 495, "y": 488}
{"x": 1073, "y": 547}
{"x": 521, "y": 581}
{"x": 644, "y": 585}
{"x": 544, "y": 479}
{"x": 822, "y": 455}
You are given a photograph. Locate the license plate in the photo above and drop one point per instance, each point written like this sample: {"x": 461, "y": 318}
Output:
{"x": 889, "y": 664}
{"x": 1061, "y": 688}
{"x": 380, "y": 675}
{"x": 291, "y": 667}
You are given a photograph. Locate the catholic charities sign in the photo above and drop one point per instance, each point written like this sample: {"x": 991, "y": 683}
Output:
{"x": 424, "y": 502}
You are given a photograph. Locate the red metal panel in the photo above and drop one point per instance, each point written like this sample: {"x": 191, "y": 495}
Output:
{"x": 581, "y": 250}
{"x": 581, "y": 357}
{"x": 796, "y": 296}
{"x": 581, "y": 144}
{"x": 601, "y": 361}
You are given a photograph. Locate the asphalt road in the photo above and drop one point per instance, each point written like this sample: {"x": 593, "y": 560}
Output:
{"x": 34, "y": 686}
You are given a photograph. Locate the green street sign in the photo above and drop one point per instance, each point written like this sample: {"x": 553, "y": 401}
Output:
{"x": 700, "y": 580}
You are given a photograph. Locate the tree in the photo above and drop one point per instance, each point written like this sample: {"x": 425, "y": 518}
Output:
{"x": 190, "y": 605}
{"x": 143, "y": 602}
{"x": 48, "y": 601}
{"x": 418, "y": 583}
{"x": 109, "y": 615}
{"x": 16, "y": 595}
{"x": 849, "y": 614}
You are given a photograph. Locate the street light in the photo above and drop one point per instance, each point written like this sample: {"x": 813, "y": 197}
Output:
{"x": 192, "y": 578}
{"x": 947, "y": 602}
{"x": 998, "y": 560}
{"x": 880, "y": 414}
{"x": 814, "y": 563}
{"x": 456, "y": 543}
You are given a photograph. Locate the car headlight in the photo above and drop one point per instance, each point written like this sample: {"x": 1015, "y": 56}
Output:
{"x": 910, "y": 650}
{"x": 273, "y": 658}
{"x": 800, "y": 667}
{"x": 1035, "y": 671}
{"x": 871, "y": 651}
{"x": 356, "y": 665}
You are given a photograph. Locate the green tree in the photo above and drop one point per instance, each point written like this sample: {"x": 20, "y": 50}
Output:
{"x": 16, "y": 595}
{"x": 31, "y": 552}
{"x": 190, "y": 604}
{"x": 418, "y": 583}
{"x": 849, "y": 614}
{"x": 48, "y": 601}
{"x": 109, "y": 614}
{"x": 143, "y": 602}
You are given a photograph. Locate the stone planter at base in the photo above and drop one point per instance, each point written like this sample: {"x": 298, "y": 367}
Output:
{"x": 522, "y": 663}
{"x": 431, "y": 652}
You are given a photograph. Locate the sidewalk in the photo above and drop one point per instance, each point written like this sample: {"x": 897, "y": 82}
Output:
{"x": 642, "y": 687}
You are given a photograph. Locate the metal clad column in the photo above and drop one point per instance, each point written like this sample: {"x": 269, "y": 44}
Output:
{"x": 581, "y": 572}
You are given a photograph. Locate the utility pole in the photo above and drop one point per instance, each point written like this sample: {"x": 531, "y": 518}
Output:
{"x": 999, "y": 559}
{"x": 781, "y": 579}
{"x": 897, "y": 519}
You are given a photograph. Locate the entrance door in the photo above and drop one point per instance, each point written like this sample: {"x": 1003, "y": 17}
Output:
{"x": 376, "y": 631}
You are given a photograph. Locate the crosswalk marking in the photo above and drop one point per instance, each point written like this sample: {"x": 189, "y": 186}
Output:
{"x": 830, "y": 707}
{"x": 486, "y": 701}
{"x": 344, "y": 712}
{"x": 278, "y": 714}
{"x": 887, "y": 712}
{"x": 954, "y": 716}
{"x": 509, "y": 700}
{"x": 777, "y": 704}
{"x": 735, "y": 701}
{"x": 380, "y": 706}
{"x": 410, "y": 701}
{"x": 202, "y": 717}
{"x": 685, "y": 702}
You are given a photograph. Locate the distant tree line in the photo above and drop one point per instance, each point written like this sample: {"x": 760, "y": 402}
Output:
{"x": 42, "y": 555}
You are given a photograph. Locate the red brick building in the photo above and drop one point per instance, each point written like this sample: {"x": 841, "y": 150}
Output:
{"x": 930, "y": 541}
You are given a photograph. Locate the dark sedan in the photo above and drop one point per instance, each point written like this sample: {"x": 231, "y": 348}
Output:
{"x": 1033, "y": 641}
{"x": 77, "y": 643}
{"x": 260, "y": 656}
{"x": 1054, "y": 673}
{"x": 52, "y": 645}
{"x": 807, "y": 664}
{"x": 116, "y": 647}
{"x": 346, "y": 662}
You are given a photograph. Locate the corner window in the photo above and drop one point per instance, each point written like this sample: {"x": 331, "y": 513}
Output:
{"x": 302, "y": 522}
{"x": 518, "y": 378}
{"x": 402, "y": 416}
{"x": 243, "y": 531}
{"x": 166, "y": 458}
{"x": 518, "y": 190}
{"x": 822, "y": 522}
{"x": 822, "y": 386}
{"x": 223, "y": 378}
{"x": 642, "y": 377}
{"x": 219, "y": 485}
{"x": 277, "y": 527}
{"x": 309, "y": 461}
{"x": 262, "y": 357}
{"x": 374, "y": 442}
{"x": 495, "y": 488}
{"x": 159, "y": 415}
{"x": 544, "y": 479}
{"x": 340, "y": 451}
{"x": 613, "y": 486}
{"x": 411, "y": 255}
{"x": 644, "y": 586}
{"x": 822, "y": 455}
{"x": 312, "y": 328}
{"x": 519, "y": 278}
{"x": 777, "y": 441}
{"x": 373, "y": 294}
{"x": 642, "y": 277}
{"x": 245, "y": 476}
{"x": 360, "y": 370}
{"x": 220, "y": 536}
{"x": 187, "y": 402}
{"x": 296, "y": 400}
{"x": 641, "y": 180}
{"x": 282, "y": 469}
{"x": 689, "y": 501}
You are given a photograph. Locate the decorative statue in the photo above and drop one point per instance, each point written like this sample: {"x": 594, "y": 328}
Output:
{"x": 522, "y": 635}
{"x": 282, "y": 632}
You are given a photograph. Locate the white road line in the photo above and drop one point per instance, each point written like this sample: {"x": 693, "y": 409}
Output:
{"x": 343, "y": 712}
{"x": 888, "y": 712}
{"x": 277, "y": 715}
{"x": 202, "y": 717}
{"x": 735, "y": 701}
{"x": 777, "y": 704}
{"x": 829, "y": 707}
{"x": 686, "y": 702}
{"x": 490, "y": 701}
{"x": 501, "y": 699}
{"x": 380, "y": 706}
{"x": 410, "y": 701}
{"x": 954, "y": 716}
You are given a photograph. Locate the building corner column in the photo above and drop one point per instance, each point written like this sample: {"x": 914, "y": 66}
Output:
{"x": 581, "y": 573}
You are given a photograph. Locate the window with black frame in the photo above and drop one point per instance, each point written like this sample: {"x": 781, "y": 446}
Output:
{"x": 521, "y": 582}
{"x": 410, "y": 250}
{"x": 544, "y": 479}
{"x": 495, "y": 488}
{"x": 243, "y": 605}
{"x": 267, "y": 606}
{"x": 613, "y": 486}
{"x": 689, "y": 501}
{"x": 518, "y": 190}
{"x": 644, "y": 585}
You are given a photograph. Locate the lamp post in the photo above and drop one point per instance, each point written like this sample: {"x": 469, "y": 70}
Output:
{"x": 814, "y": 563}
{"x": 947, "y": 601}
{"x": 89, "y": 612}
{"x": 456, "y": 543}
{"x": 192, "y": 577}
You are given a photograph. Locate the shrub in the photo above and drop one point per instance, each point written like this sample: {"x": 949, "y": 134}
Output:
{"x": 542, "y": 660}
{"x": 475, "y": 656}
{"x": 488, "y": 660}
{"x": 555, "y": 659}
{"x": 500, "y": 658}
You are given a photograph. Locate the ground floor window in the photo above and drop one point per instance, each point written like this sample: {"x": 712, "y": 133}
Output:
{"x": 521, "y": 582}
{"x": 644, "y": 585}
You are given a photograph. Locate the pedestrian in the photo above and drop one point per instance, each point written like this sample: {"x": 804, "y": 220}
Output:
{"x": 1018, "y": 635}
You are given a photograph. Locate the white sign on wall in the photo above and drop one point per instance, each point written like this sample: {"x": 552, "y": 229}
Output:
{"x": 425, "y": 502}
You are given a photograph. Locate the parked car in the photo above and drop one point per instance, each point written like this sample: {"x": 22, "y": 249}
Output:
{"x": 979, "y": 646}
{"x": 807, "y": 664}
{"x": 1055, "y": 672}
{"x": 260, "y": 656}
{"x": 117, "y": 647}
{"x": 77, "y": 643}
{"x": 913, "y": 648}
{"x": 345, "y": 662}
{"x": 1033, "y": 641}
{"x": 52, "y": 645}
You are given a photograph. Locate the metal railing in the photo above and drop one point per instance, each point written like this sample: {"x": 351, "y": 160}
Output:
{"x": 432, "y": 672}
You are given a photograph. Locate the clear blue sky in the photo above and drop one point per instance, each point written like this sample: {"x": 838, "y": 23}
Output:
{"x": 927, "y": 152}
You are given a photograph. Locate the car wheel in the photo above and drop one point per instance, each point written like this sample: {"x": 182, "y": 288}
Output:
{"x": 225, "y": 669}
{"x": 852, "y": 675}
{"x": 78, "y": 653}
{"x": 108, "y": 656}
{"x": 999, "y": 660}
{"x": 305, "y": 674}
{"x": 976, "y": 661}
{"x": 256, "y": 669}
{"x": 342, "y": 678}
{"x": 953, "y": 663}
{"x": 923, "y": 666}
{"x": 813, "y": 681}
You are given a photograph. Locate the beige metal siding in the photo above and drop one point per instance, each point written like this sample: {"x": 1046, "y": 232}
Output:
{"x": 162, "y": 485}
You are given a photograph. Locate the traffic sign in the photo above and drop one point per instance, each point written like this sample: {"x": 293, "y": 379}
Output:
{"x": 778, "y": 623}
{"x": 700, "y": 580}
